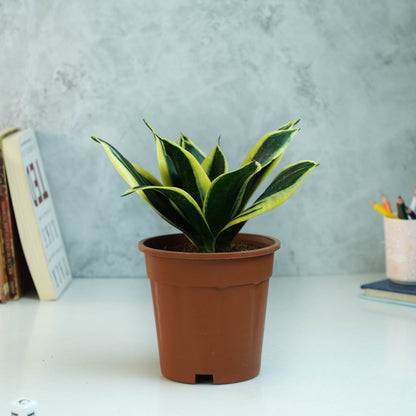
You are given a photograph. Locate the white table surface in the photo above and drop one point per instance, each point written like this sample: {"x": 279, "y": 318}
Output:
{"x": 325, "y": 352}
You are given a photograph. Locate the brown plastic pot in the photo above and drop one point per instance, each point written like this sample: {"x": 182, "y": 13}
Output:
{"x": 209, "y": 307}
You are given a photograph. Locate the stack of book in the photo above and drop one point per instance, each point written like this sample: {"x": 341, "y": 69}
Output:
{"x": 388, "y": 291}
{"x": 31, "y": 245}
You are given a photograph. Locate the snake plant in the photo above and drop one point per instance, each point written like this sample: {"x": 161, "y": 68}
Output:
{"x": 197, "y": 193}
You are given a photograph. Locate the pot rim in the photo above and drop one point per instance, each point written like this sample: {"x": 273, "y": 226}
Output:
{"x": 266, "y": 245}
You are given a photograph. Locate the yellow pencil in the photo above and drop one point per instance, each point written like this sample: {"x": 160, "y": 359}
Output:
{"x": 383, "y": 210}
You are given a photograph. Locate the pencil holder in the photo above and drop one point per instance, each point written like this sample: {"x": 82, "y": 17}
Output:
{"x": 400, "y": 246}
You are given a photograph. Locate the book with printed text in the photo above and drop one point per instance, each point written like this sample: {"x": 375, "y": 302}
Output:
{"x": 35, "y": 215}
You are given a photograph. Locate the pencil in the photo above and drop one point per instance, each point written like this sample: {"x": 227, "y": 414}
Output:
{"x": 386, "y": 203}
{"x": 401, "y": 210}
{"x": 382, "y": 210}
{"x": 413, "y": 203}
{"x": 410, "y": 214}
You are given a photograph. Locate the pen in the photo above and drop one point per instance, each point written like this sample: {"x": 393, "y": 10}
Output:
{"x": 401, "y": 210}
{"x": 382, "y": 210}
{"x": 386, "y": 203}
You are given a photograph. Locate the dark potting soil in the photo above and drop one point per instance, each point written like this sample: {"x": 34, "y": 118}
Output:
{"x": 187, "y": 247}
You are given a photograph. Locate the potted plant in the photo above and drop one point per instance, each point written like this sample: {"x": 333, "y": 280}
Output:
{"x": 210, "y": 282}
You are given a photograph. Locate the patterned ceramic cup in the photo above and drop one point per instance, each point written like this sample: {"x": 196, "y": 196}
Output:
{"x": 400, "y": 240}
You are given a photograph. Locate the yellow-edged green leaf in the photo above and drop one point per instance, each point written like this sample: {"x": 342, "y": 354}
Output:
{"x": 134, "y": 175}
{"x": 281, "y": 188}
{"x": 192, "y": 176}
{"x": 268, "y": 151}
{"x": 224, "y": 196}
{"x": 162, "y": 205}
{"x": 289, "y": 125}
{"x": 187, "y": 144}
{"x": 224, "y": 239}
{"x": 270, "y": 146}
{"x": 196, "y": 229}
{"x": 215, "y": 164}
{"x": 167, "y": 169}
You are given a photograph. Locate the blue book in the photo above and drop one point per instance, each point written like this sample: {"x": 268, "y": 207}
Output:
{"x": 388, "y": 291}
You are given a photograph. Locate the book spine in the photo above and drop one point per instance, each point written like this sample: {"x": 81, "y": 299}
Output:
{"x": 4, "y": 288}
{"x": 14, "y": 286}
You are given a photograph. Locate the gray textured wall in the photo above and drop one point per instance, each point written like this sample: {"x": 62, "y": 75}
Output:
{"x": 72, "y": 69}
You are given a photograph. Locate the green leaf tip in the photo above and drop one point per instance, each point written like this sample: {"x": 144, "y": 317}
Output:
{"x": 150, "y": 128}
